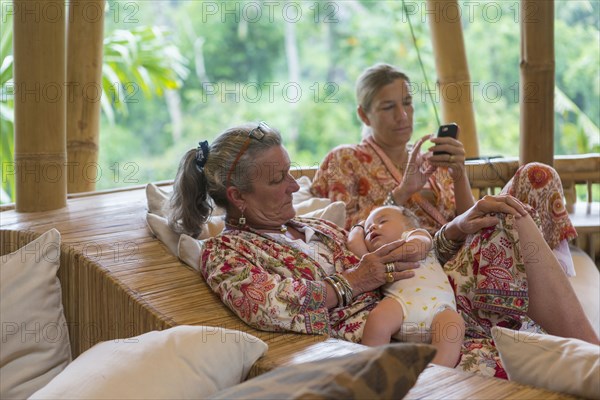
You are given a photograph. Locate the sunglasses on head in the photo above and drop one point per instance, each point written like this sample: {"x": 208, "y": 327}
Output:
{"x": 257, "y": 133}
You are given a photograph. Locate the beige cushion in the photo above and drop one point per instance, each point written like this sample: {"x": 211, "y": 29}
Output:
{"x": 185, "y": 362}
{"x": 384, "y": 372}
{"x": 311, "y": 205}
{"x": 335, "y": 212}
{"x": 35, "y": 340}
{"x": 157, "y": 199}
{"x": 159, "y": 227}
{"x": 189, "y": 250}
{"x": 213, "y": 227}
{"x": 303, "y": 193}
{"x": 550, "y": 362}
{"x": 586, "y": 284}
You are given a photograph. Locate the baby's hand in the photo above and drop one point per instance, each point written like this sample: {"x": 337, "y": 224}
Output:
{"x": 356, "y": 240}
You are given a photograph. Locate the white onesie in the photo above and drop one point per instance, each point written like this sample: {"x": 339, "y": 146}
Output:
{"x": 421, "y": 298}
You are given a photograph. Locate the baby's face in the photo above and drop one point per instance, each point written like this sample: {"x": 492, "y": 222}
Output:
{"x": 383, "y": 226}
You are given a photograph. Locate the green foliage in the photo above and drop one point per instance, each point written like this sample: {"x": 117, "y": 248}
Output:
{"x": 140, "y": 59}
{"x": 229, "y": 65}
{"x": 578, "y": 133}
{"x": 577, "y": 91}
{"x": 7, "y": 143}
{"x": 140, "y": 63}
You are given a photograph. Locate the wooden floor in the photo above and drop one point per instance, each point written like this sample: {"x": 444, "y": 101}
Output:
{"x": 119, "y": 281}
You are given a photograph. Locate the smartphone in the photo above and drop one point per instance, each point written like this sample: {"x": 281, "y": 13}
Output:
{"x": 450, "y": 130}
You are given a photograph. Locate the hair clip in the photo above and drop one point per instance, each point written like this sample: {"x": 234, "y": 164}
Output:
{"x": 202, "y": 154}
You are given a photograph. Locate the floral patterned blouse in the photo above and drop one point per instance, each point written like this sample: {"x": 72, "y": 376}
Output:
{"x": 273, "y": 286}
{"x": 356, "y": 175}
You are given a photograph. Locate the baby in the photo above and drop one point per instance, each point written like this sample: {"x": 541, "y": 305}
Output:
{"x": 422, "y": 308}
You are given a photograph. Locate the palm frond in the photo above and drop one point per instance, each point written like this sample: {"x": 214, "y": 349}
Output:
{"x": 144, "y": 58}
{"x": 563, "y": 104}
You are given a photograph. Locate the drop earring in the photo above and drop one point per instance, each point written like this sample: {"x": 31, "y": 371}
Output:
{"x": 242, "y": 219}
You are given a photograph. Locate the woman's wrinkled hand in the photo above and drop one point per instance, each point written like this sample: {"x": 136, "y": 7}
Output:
{"x": 483, "y": 214}
{"x": 372, "y": 271}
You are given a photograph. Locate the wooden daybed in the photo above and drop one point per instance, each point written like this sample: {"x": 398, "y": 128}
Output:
{"x": 120, "y": 281}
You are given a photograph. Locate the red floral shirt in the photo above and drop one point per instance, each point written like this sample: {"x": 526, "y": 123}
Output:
{"x": 357, "y": 176}
{"x": 275, "y": 287}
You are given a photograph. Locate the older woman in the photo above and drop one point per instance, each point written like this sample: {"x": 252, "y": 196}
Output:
{"x": 282, "y": 273}
{"x": 275, "y": 272}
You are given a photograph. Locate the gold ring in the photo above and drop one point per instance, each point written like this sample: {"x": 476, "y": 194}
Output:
{"x": 389, "y": 267}
{"x": 451, "y": 158}
{"x": 389, "y": 278}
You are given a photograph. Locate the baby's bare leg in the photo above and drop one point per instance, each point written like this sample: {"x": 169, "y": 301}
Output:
{"x": 385, "y": 320}
{"x": 447, "y": 335}
{"x": 552, "y": 301}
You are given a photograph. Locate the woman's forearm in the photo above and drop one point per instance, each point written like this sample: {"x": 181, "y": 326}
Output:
{"x": 463, "y": 196}
{"x": 546, "y": 279}
{"x": 453, "y": 232}
{"x": 331, "y": 299}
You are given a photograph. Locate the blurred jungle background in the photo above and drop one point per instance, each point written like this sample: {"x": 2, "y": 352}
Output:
{"x": 177, "y": 72}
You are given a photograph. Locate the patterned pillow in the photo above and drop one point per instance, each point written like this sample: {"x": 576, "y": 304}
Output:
{"x": 386, "y": 372}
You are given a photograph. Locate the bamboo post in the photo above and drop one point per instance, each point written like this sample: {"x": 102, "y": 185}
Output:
{"x": 537, "y": 82}
{"x": 452, "y": 69}
{"x": 40, "y": 105}
{"x": 84, "y": 73}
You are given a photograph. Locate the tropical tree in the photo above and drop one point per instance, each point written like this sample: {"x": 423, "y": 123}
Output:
{"x": 7, "y": 189}
{"x": 142, "y": 59}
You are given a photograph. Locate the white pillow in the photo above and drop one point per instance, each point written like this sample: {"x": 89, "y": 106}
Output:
{"x": 335, "y": 212}
{"x": 214, "y": 226}
{"x": 310, "y": 205}
{"x": 160, "y": 228}
{"x": 157, "y": 199}
{"x": 189, "y": 250}
{"x": 35, "y": 339}
{"x": 560, "y": 364}
{"x": 184, "y": 362}
{"x": 586, "y": 284}
{"x": 303, "y": 193}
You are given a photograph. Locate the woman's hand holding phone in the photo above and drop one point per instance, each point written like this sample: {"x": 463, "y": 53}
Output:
{"x": 450, "y": 130}
{"x": 448, "y": 151}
